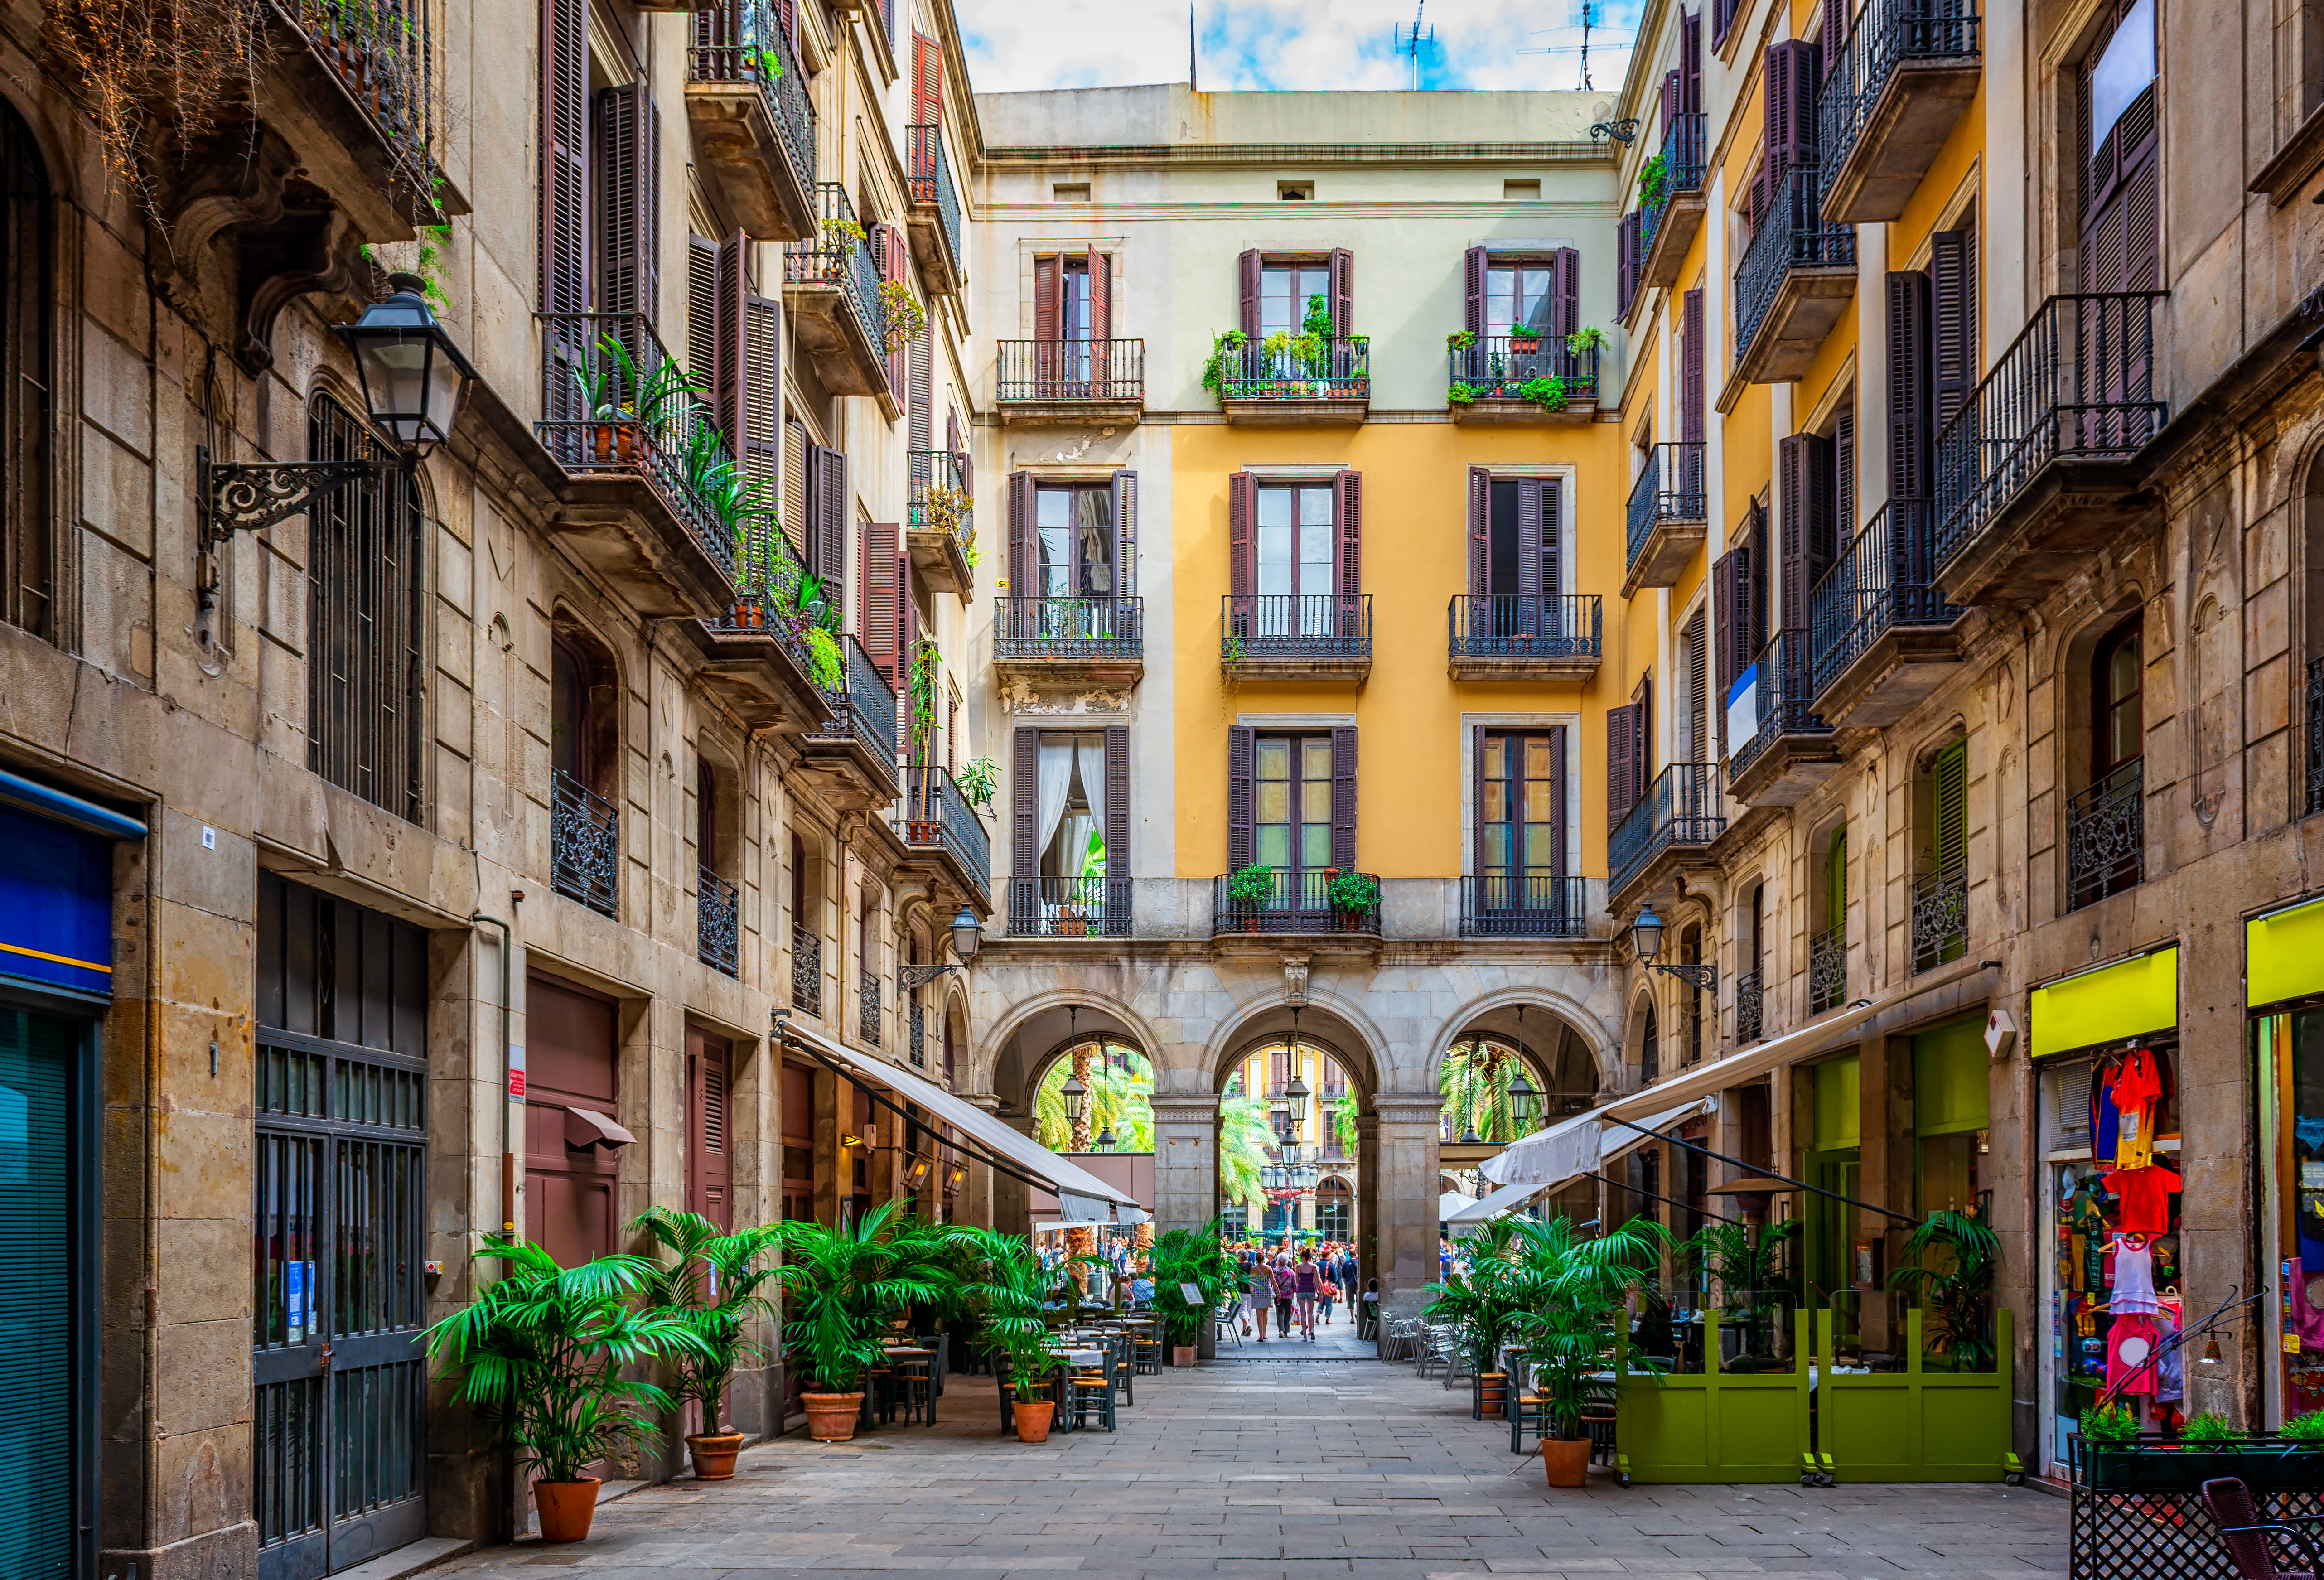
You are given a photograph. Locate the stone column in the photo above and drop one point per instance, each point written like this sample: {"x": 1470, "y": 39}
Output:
{"x": 1186, "y": 1159}
{"x": 1405, "y": 1198}
{"x": 1368, "y": 1202}
{"x": 1012, "y": 1201}
{"x": 973, "y": 1204}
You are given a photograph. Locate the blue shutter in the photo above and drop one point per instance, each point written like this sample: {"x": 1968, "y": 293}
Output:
{"x": 37, "y": 1284}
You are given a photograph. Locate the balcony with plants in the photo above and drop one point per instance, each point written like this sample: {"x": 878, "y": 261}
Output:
{"x": 1884, "y": 639}
{"x": 1262, "y": 902}
{"x": 1094, "y": 640}
{"x": 1780, "y": 747}
{"x": 774, "y": 657}
{"x": 1796, "y": 280}
{"x": 648, "y": 501}
{"x": 746, "y": 100}
{"x": 1671, "y": 200}
{"x": 2038, "y": 469}
{"x": 1669, "y": 516}
{"x": 1050, "y": 382}
{"x": 1670, "y": 829}
{"x": 944, "y": 840}
{"x": 1296, "y": 636}
{"x": 940, "y": 521}
{"x": 934, "y": 217}
{"x": 1522, "y": 636}
{"x": 851, "y": 757}
{"x": 1523, "y": 378}
{"x": 837, "y": 305}
{"x": 1088, "y": 905}
{"x": 1315, "y": 377}
{"x": 1908, "y": 70}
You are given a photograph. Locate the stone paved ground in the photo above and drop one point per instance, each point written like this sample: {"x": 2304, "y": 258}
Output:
{"x": 1260, "y": 1470}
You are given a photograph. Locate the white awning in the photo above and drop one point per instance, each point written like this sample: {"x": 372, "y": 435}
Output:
{"x": 1579, "y": 1146}
{"x": 1508, "y": 1198}
{"x": 1620, "y": 1142}
{"x": 1452, "y": 1202}
{"x": 1082, "y": 1196}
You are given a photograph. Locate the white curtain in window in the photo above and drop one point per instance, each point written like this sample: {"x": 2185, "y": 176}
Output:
{"x": 1056, "y": 780}
{"x": 1092, "y": 748}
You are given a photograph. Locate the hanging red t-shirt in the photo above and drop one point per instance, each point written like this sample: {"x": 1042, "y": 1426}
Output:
{"x": 2144, "y": 1196}
{"x": 2133, "y": 1086}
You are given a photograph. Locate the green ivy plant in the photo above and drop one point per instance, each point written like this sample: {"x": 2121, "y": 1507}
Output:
{"x": 2113, "y": 1424}
{"x": 1654, "y": 178}
{"x": 1224, "y": 344}
{"x": 1461, "y": 394}
{"x": 1548, "y": 393}
{"x": 1459, "y": 339}
{"x": 1585, "y": 340}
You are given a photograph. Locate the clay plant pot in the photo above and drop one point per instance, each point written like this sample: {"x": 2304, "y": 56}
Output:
{"x": 566, "y": 1508}
{"x": 1033, "y": 1417}
{"x": 1186, "y": 1355}
{"x": 1492, "y": 1393}
{"x": 1566, "y": 1460}
{"x": 831, "y": 1417}
{"x": 714, "y": 1455}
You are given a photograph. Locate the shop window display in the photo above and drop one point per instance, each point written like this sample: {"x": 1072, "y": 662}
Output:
{"x": 2292, "y": 1050}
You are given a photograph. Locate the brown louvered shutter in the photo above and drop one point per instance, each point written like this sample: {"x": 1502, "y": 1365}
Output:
{"x": 1642, "y": 723}
{"x": 1530, "y": 536}
{"x": 1843, "y": 473}
{"x": 708, "y": 1155}
{"x": 1621, "y": 769}
{"x": 629, "y": 204}
{"x": 1551, "y": 492}
{"x": 880, "y": 613}
{"x": 1024, "y": 803}
{"x": 892, "y": 256}
{"x": 1343, "y": 798}
{"x": 1690, "y": 65}
{"x": 1246, "y": 277}
{"x": 1672, "y": 90}
{"x": 1758, "y": 569}
{"x": 1794, "y": 70}
{"x": 927, "y": 81}
{"x": 1242, "y": 836}
{"x": 1626, "y": 264}
{"x": 730, "y": 373}
{"x": 1242, "y": 513}
{"x": 702, "y": 310}
{"x": 1565, "y": 295}
{"x": 1125, "y": 534}
{"x": 565, "y": 181}
{"x": 1952, "y": 310}
{"x": 1834, "y": 35}
{"x": 1691, "y": 419}
{"x": 1342, "y": 278}
{"x": 1693, "y": 684}
{"x": 1117, "y": 814}
{"x": 1480, "y": 536}
{"x": 1023, "y": 583}
{"x": 762, "y": 394}
{"x": 1046, "y": 272}
{"x": 1348, "y": 517}
{"x": 1794, "y": 462}
{"x": 1100, "y": 296}
{"x": 1473, "y": 264}
{"x": 796, "y": 489}
{"x": 1723, "y": 640}
{"x": 1908, "y": 385}
{"x": 1479, "y": 801}
{"x": 1558, "y": 811}
{"x": 831, "y": 523}
{"x": 919, "y": 410}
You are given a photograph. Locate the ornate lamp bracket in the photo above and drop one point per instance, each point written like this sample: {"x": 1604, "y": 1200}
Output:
{"x": 919, "y": 977}
{"x": 1622, "y": 130}
{"x": 1704, "y": 977}
{"x": 248, "y": 497}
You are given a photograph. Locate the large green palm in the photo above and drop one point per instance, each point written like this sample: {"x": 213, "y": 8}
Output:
{"x": 1118, "y": 1100}
{"x": 1573, "y": 1284}
{"x": 841, "y": 1286}
{"x": 1246, "y": 1145}
{"x": 717, "y": 1289}
{"x": 1474, "y": 1081}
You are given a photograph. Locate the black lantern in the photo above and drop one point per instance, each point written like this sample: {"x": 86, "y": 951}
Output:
{"x": 1077, "y": 1095}
{"x": 967, "y": 932}
{"x": 413, "y": 376}
{"x": 1523, "y": 1103}
{"x": 1105, "y": 1141}
{"x": 1646, "y": 936}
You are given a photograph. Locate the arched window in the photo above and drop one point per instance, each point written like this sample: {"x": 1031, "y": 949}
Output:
{"x": 1828, "y": 945}
{"x": 364, "y": 663}
{"x": 26, "y": 570}
{"x": 1650, "y": 1058}
{"x": 1940, "y": 857}
{"x": 2106, "y": 823}
{"x": 1689, "y": 953}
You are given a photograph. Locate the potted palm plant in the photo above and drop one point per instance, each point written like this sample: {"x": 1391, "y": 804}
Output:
{"x": 840, "y": 1287}
{"x": 1184, "y": 1257}
{"x": 1485, "y": 1304}
{"x": 715, "y": 1289}
{"x": 1014, "y": 1291}
{"x": 1574, "y": 1287}
{"x": 1950, "y": 1260}
{"x": 541, "y": 1350}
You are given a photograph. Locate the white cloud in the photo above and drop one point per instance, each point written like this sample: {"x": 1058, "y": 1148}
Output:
{"x": 1291, "y": 43}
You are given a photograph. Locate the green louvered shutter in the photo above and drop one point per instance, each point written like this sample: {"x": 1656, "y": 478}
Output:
{"x": 1949, "y": 808}
{"x": 36, "y": 1287}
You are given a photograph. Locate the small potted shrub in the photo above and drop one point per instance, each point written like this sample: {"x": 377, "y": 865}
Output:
{"x": 714, "y": 1289}
{"x": 2110, "y": 1440}
{"x": 1523, "y": 338}
{"x": 1460, "y": 394}
{"x": 1248, "y": 891}
{"x": 1352, "y": 896}
{"x": 1182, "y": 1257}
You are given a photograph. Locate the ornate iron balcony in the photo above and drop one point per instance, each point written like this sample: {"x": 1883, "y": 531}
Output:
{"x": 1939, "y": 918}
{"x": 1512, "y": 626}
{"x": 917, "y": 1033}
{"x": 1068, "y": 628}
{"x": 1499, "y": 367}
{"x": 1781, "y": 697}
{"x": 1681, "y": 172}
{"x": 807, "y": 972}
{"x": 384, "y": 52}
{"x": 1791, "y": 235}
{"x": 1305, "y": 626}
{"x": 1671, "y": 489}
{"x": 1885, "y": 576}
{"x": 862, "y": 706}
{"x": 1681, "y": 807}
{"x": 929, "y": 180}
{"x": 584, "y": 843}
{"x": 716, "y": 903}
{"x": 2106, "y": 837}
{"x": 1885, "y": 34}
{"x": 867, "y": 1023}
{"x": 1750, "y": 1010}
{"x": 1828, "y": 968}
{"x": 836, "y": 254}
{"x": 767, "y": 579}
{"x": 1341, "y": 370}
{"x": 1295, "y": 902}
{"x": 1071, "y": 370}
{"x": 942, "y": 472}
{"x": 746, "y": 42}
{"x": 1069, "y": 907}
{"x": 936, "y": 814}
{"x": 1507, "y": 906}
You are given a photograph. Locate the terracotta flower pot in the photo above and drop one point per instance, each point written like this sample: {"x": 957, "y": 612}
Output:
{"x": 714, "y": 1455}
{"x": 1033, "y": 1417}
{"x": 831, "y": 1417}
{"x": 566, "y": 1508}
{"x": 1566, "y": 1460}
{"x": 1186, "y": 1355}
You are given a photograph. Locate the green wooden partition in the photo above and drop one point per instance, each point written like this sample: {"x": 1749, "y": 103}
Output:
{"x": 1717, "y": 1426}
{"x": 1913, "y": 1425}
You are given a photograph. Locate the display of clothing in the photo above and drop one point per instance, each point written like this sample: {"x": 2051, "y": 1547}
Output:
{"x": 2105, "y": 1122}
{"x": 2307, "y": 1317}
{"x": 2170, "y": 1370}
{"x": 2086, "y": 1224}
{"x": 2130, "y": 1344}
{"x": 2134, "y": 1280}
{"x": 2133, "y": 1087}
{"x": 2144, "y": 1198}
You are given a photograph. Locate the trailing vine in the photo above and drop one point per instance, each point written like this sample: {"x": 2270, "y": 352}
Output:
{"x": 922, "y": 690}
{"x": 907, "y": 319}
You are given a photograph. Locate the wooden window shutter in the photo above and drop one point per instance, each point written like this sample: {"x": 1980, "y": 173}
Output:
{"x": 1100, "y": 296}
{"x": 1479, "y": 801}
{"x": 1691, "y": 417}
{"x": 1953, "y": 304}
{"x": 1949, "y": 808}
{"x": 1642, "y": 725}
{"x": 1698, "y": 674}
{"x": 729, "y": 375}
{"x": 1758, "y": 569}
{"x": 880, "y": 613}
{"x": 1672, "y": 87}
{"x": 1022, "y": 582}
{"x": 796, "y": 489}
{"x": 1722, "y": 17}
{"x": 762, "y": 394}
{"x": 1908, "y": 385}
{"x": 927, "y": 81}
{"x": 1348, "y": 516}
{"x": 907, "y": 636}
{"x": 628, "y": 207}
{"x": 1529, "y": 525}
{"x": 1626, "y": 265}
{"x": 564, "y": 159}
{"x": 1552, "y": 493}
{"x": 1690, "y": 60}
{"x": 1792, "y": 465}
{"x": 919, "y": 408}
{"x": 1242, "y": 515}
{"x": 1823, "y": 525}
{"x": 708, "y": 1153}
{"x": 1795, "y": 68}
{"x": 1722, "y": 626}
{"x": 702, "y": 310}
{"x": 1559, "y": 811}
{"x": 1621, "y": 773}
{"x": 1125, "y": 533}
{"x": 831, "y": 496}
{"x": 1024, "y": 803}
{"x": 1834, "y": 36}
{"x": 1242, "y": 805}
{"x": 1247, "y": 276}
{"x": 1565, "y": 286}
{"x": 1343, "y": 798}
{"x": 1843, "y": 475}
{"x": 1046, "y": 317}
{"x": 1473, "y": 264}
{"x": 1342, "y": 278}
{"x": 1117, "y": 811}
{"x": 1481, "y": 533}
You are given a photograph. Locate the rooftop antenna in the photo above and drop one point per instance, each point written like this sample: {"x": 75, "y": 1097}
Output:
{"x": 1408, "y": 43}
{"x": 1194, "y": 82}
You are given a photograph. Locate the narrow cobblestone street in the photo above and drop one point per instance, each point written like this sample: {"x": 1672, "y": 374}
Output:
{"x": 1274, "y": 1468}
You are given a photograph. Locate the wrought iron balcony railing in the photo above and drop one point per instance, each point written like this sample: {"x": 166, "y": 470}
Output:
{"x": 1295, "y": 902}
{"x": 1782, "y": 702}
{"x": 807, "y": 972}
{"x": 867, "y": 1011}
{"x": 716, "y": 922}
{"x": 2106, "y": 837}
{"x": 1939, "y": 918}
{"x": 1681, "y": 807}
{"x": 1515, "y": 906}
{"x": 1339, "y": 370}
{"x": 862, "y": 705}
{"x": 1514, "y": 625}
{"x": 1681, "y": 172}
{"x": 916, "y": 1030}
{"x": 1750, "y": 1009}
{"x": 936, "y": 814}
{"x": 1885, "y": 578}
{"x": 611, "y": 402}
{"x": 584, "y": 843}
{"x": 839, "y": 255}
{"x": 1509, "y": 367}
{"x": 1071, "y": 370}
{"x": 746, "y": 42}
{"x": 1068, "y": 628}
{"x": 928, "y": 179}
{"x": 1670, "y": 489}
{"x": 2315, "y": 735}
{"x": 1828, "y": 968}
{"x": 384, "y": 52}
{"x": 767, "y": 579}
{"x": 1791, "y": 235}
{"x": 1294, "y": 625}
{"x": 1069, "y": 907}
{"x": 1886, "y": 33}
{"x": 2079, "y": 382}
{"x": 935, "y": 496}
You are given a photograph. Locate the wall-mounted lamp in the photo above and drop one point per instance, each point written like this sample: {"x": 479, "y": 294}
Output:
{"x": 967, "y": 934}
{"x": 1647, "y": 937}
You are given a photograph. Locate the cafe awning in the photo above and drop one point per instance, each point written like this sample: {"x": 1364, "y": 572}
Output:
{"x": 1082, "y": 1197}
{"x": 1508, "y": 1198}
{"x": 1578, "y": 1146}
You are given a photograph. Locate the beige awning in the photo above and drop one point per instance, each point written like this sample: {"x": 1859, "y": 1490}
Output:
{"x": 1083, "y": 1196}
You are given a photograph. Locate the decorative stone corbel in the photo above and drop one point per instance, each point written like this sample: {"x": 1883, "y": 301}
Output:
{"x": 1295, "y": 978}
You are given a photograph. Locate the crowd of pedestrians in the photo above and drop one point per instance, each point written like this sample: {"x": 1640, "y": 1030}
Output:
{"x": 1297, "y": 1288}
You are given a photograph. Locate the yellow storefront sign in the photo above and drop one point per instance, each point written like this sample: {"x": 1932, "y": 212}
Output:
{"x": 2111, "y": 1004}
{"x": 2284, "y": 955}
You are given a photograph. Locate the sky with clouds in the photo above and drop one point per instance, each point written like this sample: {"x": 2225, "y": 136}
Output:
{"x": 1014, "y": 44}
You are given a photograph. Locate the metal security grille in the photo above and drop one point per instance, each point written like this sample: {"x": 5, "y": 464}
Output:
{"x": 363, "y": 673}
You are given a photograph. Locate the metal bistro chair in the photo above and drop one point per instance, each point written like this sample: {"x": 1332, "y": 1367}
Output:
{"x": 2248, "y": 1537}
{"x": 1226, "y": 1322}
{"x": 1088, "y": 1390}
{"x": 1146, "y": 1347}
{"x": 1400, "y": 1339}
{"x": 911, "y": 1388}
{"x": 1456, "y": 1357}
{"x": 941, "y": 1343}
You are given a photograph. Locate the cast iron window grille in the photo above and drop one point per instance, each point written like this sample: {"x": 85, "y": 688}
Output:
{"x": 929, "y": 180}
{"x": 1885, "y": 578}
{"x": 807, "y": 972}
{"x": 1681, "y": 807}
{"x": 1791, "y": 235}
{"x": 1068, "y": 628}
{"x": 917, "y": 1033}
{"x": 585, "y": 844}
{"x": 715, "y": 902}
{"x": 1828, "y": 968}
{"x": 1112, "y": 371}
{"x": 1885, "y": 32}
{"x": 1516, "y": 626}
{"x": 867, "y": 1024}
{"x": 1498, "y": 367}
{"x": 1750, "y": 1010}
{"x": 1525, "y": 906}
{"x": 1939, "y": 918}
{"x": 1670, "y": 489}
{"x": 2106, "y": 837}
{"x": 1295, "y": 625}
{"x": 1069, "y": 907}
{"x": 2315, "y": 734}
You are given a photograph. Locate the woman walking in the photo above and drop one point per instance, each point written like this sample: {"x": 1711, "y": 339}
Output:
{"x": 1260, "y": 1293}
{"x": 1328, "y": 1292}
{"x": 1305, "y": 1282}
{"x": 1287, "y": 1286}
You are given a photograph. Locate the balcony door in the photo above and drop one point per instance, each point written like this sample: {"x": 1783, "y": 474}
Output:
{"x": 1292, "y": 553}
{"x": 1069, "y": 794}
{"x": 1285, "y": 292}
{"x": 1074, "y": 540}
{"x": 1072, "y": 314}
{"x": 1520, "y": 801}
